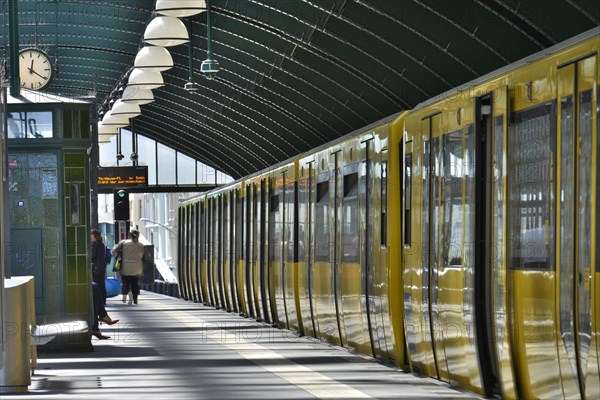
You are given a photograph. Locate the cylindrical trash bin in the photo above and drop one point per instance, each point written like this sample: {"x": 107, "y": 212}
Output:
{"x": 15, "y": 376}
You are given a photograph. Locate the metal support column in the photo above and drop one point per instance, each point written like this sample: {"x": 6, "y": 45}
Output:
{"x": 13, "y": 18}
{"x": 94, "y": 158}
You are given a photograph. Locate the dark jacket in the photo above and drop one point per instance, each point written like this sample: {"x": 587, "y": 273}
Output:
{"x": 98, "y": 256}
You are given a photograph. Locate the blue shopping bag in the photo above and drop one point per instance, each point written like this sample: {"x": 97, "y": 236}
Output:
{"x": 113, "y": 287}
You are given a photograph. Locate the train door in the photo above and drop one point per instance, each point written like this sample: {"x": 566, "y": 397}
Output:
{"x": 203, "y": 253}
{"x": 265, "y": 249}
{"x": 257, "y": 253}
{"x": 240, "y": 276}
{"x": 379, "y": 295}
{"x": 233, "y": 241}
{"x": 578, "y": 208}
{"x": 181, "y": 255}
{"x": 210, "y": 250}
{"x": 193, "y": 252}
{"x": 304, "y": 217}
{"x": 290, "y": 250}
{"x": 276, "y": 240}
{"x": 432, "y": 350}
{"x": 323, "y": 255}
{"x": 353, "y": 237}
{"x": 197, "y": 253}
{"x": 336, "y": 251}
{"x": 188, "y": 253}
{"x": 227, "y": 245}
{"x": 216, "y": 267}
{"x": 249, "y": 251}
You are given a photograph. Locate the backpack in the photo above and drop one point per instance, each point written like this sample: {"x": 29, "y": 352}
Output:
{"x": 107, "y": 256}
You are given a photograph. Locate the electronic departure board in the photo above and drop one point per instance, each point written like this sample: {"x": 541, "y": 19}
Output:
{"x": 118, "y": 177}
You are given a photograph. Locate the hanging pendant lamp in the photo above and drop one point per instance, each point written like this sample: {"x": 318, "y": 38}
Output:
{"x": 166, "y": 32}
{"x": 126, "y": 110}
{"x": 145, "y": 79}
{"x": 180, "y": 8}
{"x": 105, "y": 138}
{"x": 111, "y": 120}
{"x": 153, "y": 58}
{"x": 133, "y": 94}
{"x": 104, "y": 129}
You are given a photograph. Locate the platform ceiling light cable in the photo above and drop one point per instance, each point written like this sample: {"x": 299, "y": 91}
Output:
{"x": 145, "y": 79}
{"x": 153, "y": 58}
{"x": 210, "y": 66}
{"x": 180, "y": 8}
{"x": 166, "y": 32}
{"x": 191, "y": 86}
{"x": 133, "y": 94}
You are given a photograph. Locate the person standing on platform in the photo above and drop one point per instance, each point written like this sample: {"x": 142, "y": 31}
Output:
{"x": 98, "y": 262}
{"x": 131, "y": 253}
{"x": 100, "y": 313}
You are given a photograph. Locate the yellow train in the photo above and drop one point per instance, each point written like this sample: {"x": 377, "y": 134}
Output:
{"x": 458, "y": 240}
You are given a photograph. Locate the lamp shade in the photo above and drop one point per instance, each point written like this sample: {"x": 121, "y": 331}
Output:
{"x": 107, "y": 129}
{"x": 126, "y": 110}
{"x": 105, "y": 138}
{"x": 111, "y": 120}
{"x": 133, "y": 94}
{"x": 166, "y": 32}
{"x": 153, "y": 58}
{"x": 145, "y": 79}
{"x": 180, "y": 8}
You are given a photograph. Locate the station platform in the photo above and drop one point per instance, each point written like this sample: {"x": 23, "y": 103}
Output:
{"x": 166, "y": 348}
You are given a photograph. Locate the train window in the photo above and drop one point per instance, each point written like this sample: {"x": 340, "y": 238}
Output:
{"x": 239, "y": 227}
{"x": 302, "y": 190}
{"x": 350, "y": 222}
{"x": 384, "y": 203}
{"x": 407, "y": 197}
{"x": 531, "y": 222}
{"x": 452, "y": 189}
{"x": 275, "y": 203}
{"x": 322, "y": 210}
{"x": 275, "y": 229}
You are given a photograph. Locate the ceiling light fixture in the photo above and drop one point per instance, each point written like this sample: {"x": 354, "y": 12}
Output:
{"x": 153, "y": 58}
{"x": 180, "y": 8}
{"x": 145, "y": 79}
{"x": 166, "y": 32}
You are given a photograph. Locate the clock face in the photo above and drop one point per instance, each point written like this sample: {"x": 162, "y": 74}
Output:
{"x": 35, "y": 69}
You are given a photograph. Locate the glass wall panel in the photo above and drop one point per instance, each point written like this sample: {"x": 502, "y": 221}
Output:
{"x": 166, "y": 165}
{"x": 30, "y": 125}
{"x": 186, "y": 174}
{"x": 147, "y": 156}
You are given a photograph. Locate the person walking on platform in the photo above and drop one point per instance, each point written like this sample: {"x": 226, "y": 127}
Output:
{"x": 130, "y": 252}
{"x": 100, "y": 313}
{"x": 98, "y": 262}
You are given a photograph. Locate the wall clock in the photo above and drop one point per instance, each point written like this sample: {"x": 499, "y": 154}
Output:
{"x": 35, "y": 69}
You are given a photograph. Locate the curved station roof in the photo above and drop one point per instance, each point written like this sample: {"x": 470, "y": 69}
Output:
{"x": 294, "y": 74}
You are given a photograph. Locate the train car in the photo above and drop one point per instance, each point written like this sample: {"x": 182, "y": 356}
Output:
{"x": 458, "y": 240}
{"x": 283, "y": 246}
{"x": 349, "y": 295}
{"x": 257, "y": 244}
{"x": 501, "y": 198}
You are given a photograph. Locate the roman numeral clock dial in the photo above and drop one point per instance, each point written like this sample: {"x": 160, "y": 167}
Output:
{"x": 35, "y": 69}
